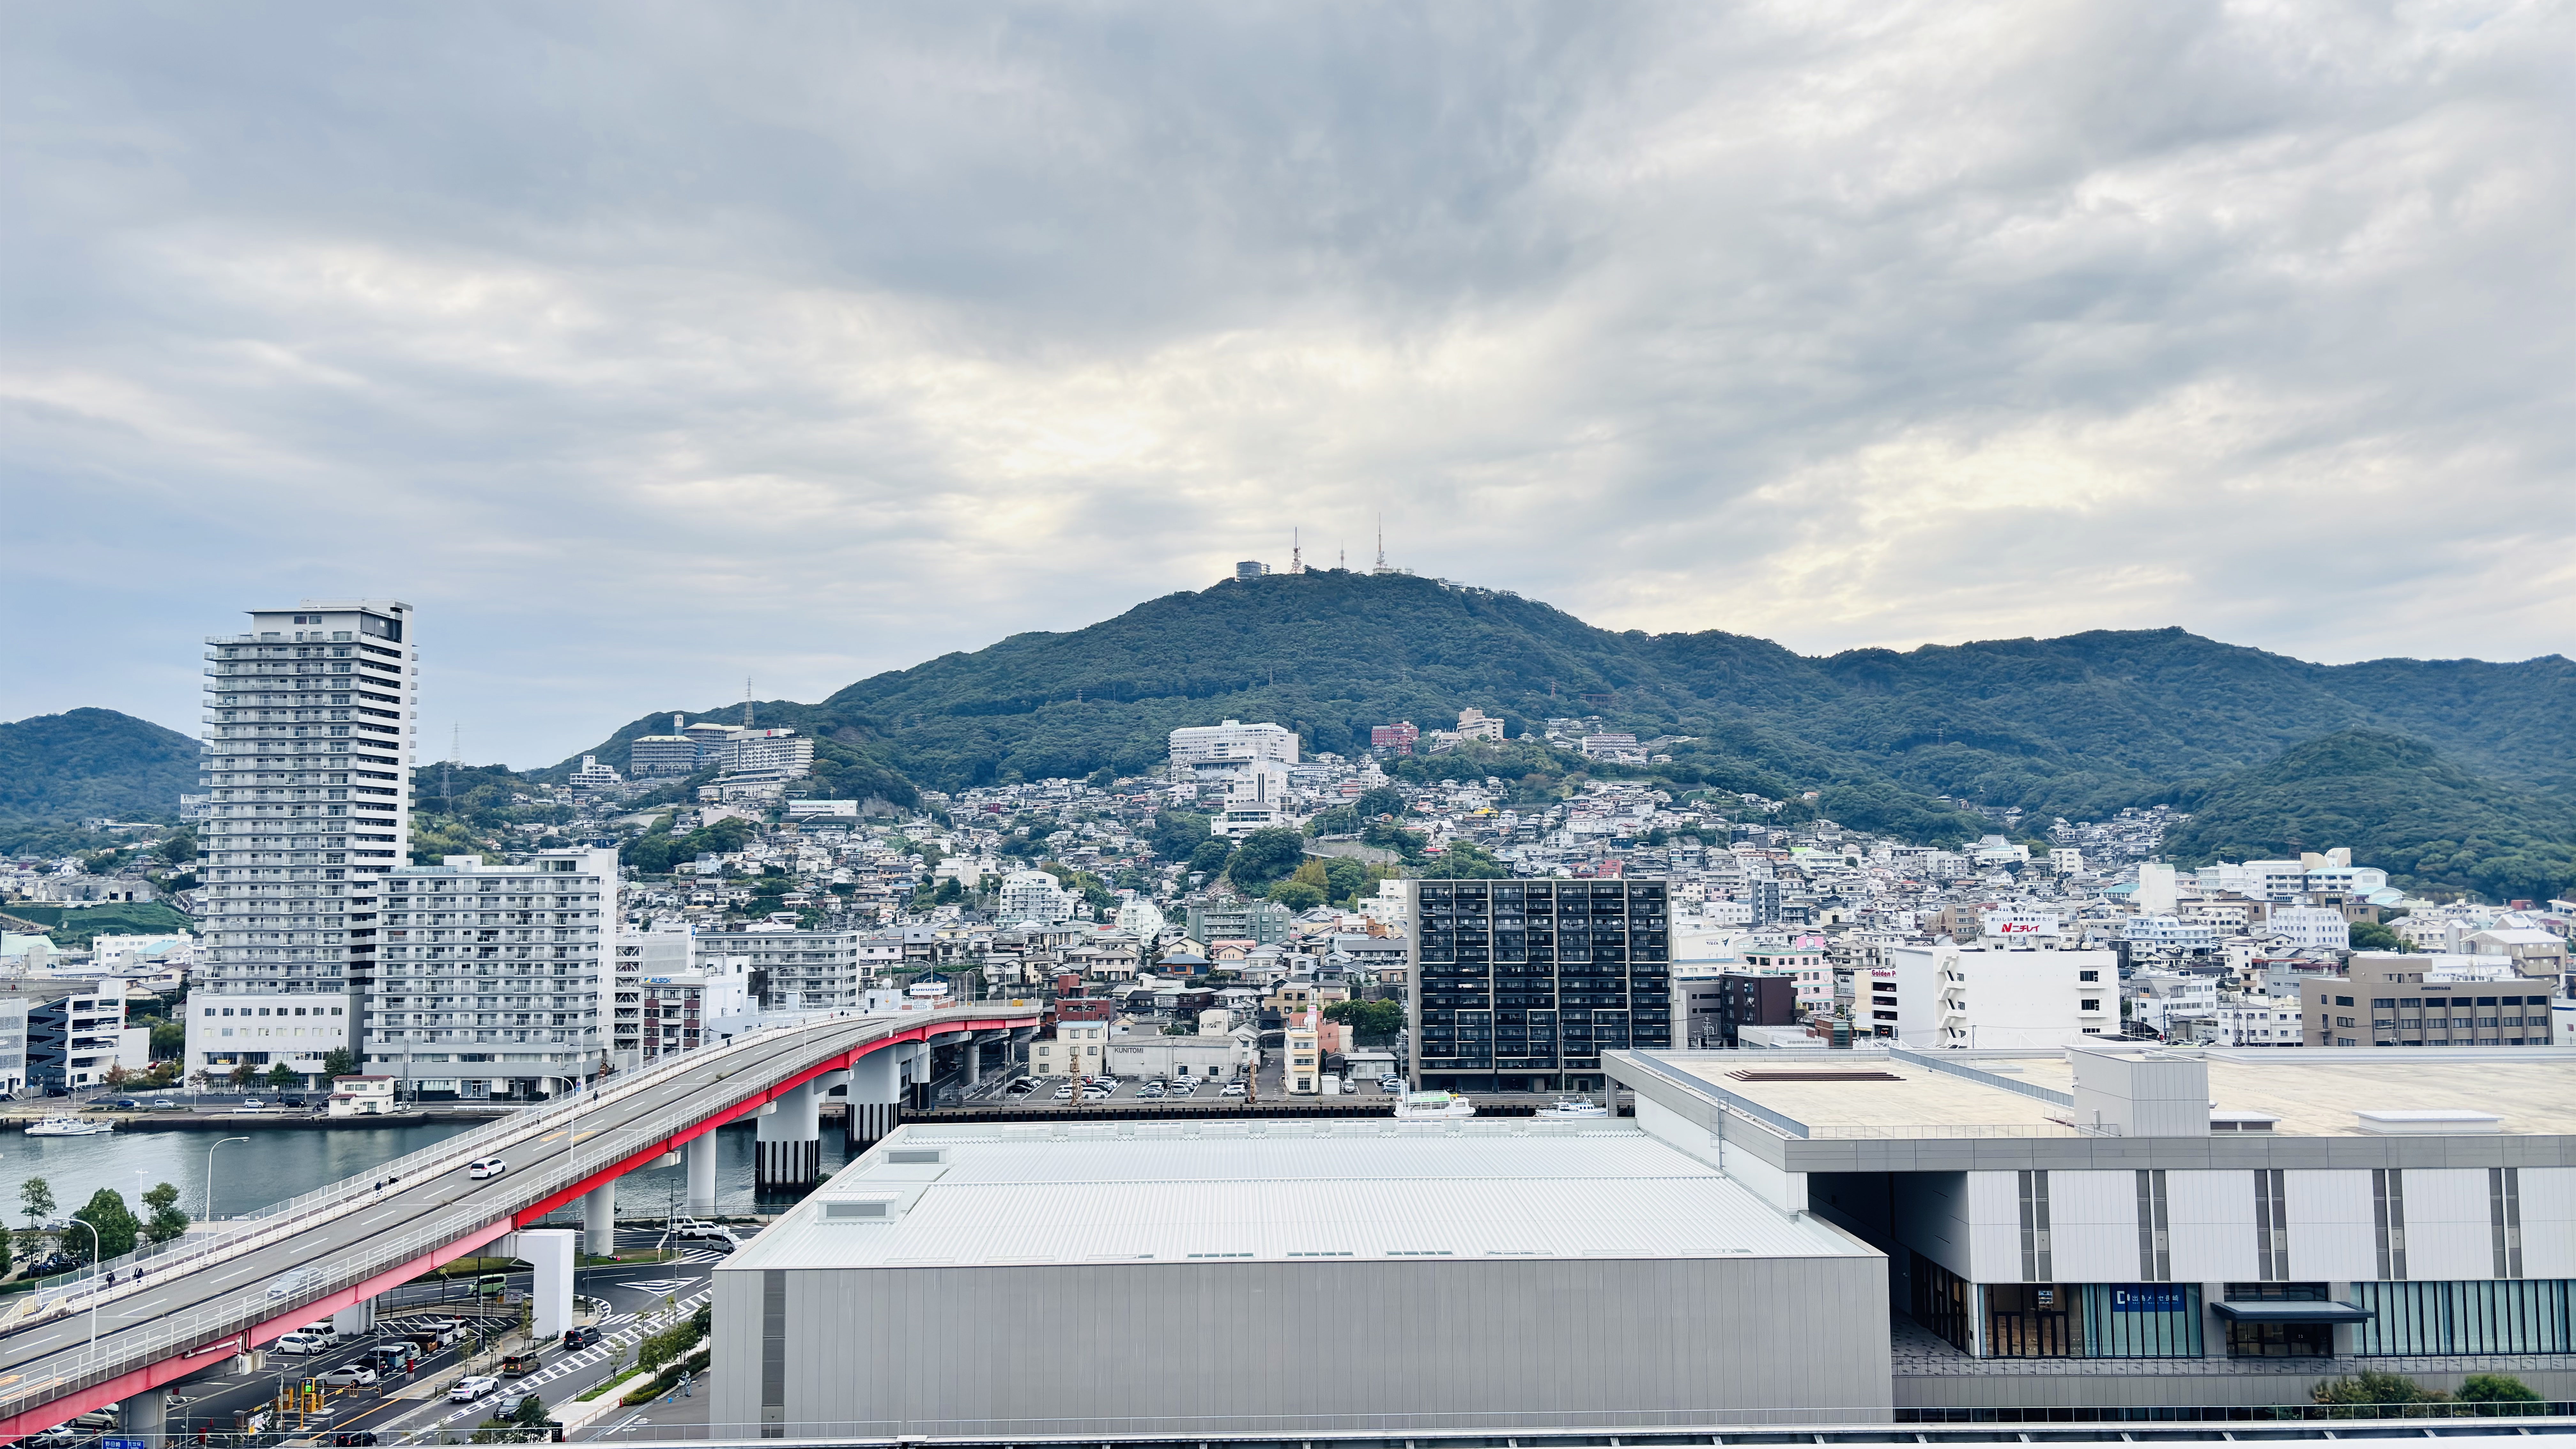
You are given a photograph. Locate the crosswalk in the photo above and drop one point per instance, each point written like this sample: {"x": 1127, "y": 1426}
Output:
{"x": 620, "y": 1332}
{"x": 657, "y": 1285}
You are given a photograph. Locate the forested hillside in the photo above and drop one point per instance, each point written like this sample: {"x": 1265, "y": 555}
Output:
{"x": 2453, "y": 773}
{"x": 57, "y": 770}
{"x": 2077, "y": 725}
{"x": 2400, "y": 807}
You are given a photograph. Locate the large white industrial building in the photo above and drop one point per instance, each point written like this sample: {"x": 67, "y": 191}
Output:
{"x": 1220, "y": 1278}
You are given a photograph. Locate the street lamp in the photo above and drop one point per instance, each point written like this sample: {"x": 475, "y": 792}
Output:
{"x": 210, "y": 1175}
{"x": 93, "y": 1267}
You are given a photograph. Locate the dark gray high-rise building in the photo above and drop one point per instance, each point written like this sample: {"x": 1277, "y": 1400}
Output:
{"x": 1520, "y": 985}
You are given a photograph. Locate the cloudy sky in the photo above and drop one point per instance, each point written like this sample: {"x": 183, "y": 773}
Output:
{"x": 644, "y": 347}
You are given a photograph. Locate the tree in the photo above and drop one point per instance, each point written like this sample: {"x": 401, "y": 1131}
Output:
{"x": 116, "y": 1223}
{"x": 2370, "y": 1387}
{"x": 169, "y": 1040}
{"x": 1466, "y": 860}
{"x": 117, "y": 1075}
{"x": 284, "y": 1078}
{"x": 1210, "y": 856}
{"x": 242, "y": 1074}
{"x": 339, "y": 1062}
{"x": 36, "y": 1200}
{"x": 2372, "y": 936}
{"x": 1384, "y": 800}
{"x": 1297, "y": 895}
{"x": 1265, "y": 856}
{"x": 1345, "y": 878}
{"x": 180, "y": 849}
{"x": 1178, "y": 834}
{"x": 2498, "y": 1389}
{"x": 1373, "y": 1023}
{"x": 1339, "y": 820}
{"x": 1387, "y": 835}
{"x": 168, "y": 1219}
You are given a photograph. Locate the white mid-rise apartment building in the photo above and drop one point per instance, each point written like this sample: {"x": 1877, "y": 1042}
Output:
{"x": 665, "y": 953}
{"x": 497, "y": 979}
{"x": 1966, "y": 997}
{"x": 1256, "y": 798}
{"x": 2310, "y": 928}
{"x": 2257, "y": 1019}
{"x": 1033, "y": 895}
{"x": 309, "y": 754}
{"x": 231, "y": 1030}
{"x": 1231, "y": 743}
{"x": 796, "y": 970}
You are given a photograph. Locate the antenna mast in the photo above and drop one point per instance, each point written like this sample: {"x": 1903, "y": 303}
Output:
{"x": 1381, "y": 543}
{"x": 746, "y": 701}
{"x": 1296, "y": 554}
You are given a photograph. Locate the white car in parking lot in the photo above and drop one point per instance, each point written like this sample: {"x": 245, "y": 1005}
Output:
{"x": 1232, "y": 1089}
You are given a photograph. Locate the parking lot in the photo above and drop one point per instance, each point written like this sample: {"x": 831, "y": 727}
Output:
{"x": 411, "y": 1403}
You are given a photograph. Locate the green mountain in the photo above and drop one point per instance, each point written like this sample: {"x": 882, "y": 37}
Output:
{"x": 59, "y": 769}
{"x": 2399, "y": 805}
{"x": 2079, "y": 725}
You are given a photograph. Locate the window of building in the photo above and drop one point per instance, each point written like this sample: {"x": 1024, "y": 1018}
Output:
{"x": 2475, "y": 1316}
{"x": 2271, "y": 1224}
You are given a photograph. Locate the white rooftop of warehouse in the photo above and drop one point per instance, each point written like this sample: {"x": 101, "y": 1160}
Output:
{"x": 1281, "y": 1190}
{"x": 2311, "y": 1091}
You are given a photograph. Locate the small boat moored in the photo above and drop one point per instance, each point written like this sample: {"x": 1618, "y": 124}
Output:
{"x": 1572, "y": 1107}
{"x": 62, "y": 1125}
{"x": 1431, "y": 1106}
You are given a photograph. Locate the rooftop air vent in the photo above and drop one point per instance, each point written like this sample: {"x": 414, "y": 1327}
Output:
{"x": 2435, "y": 1121}
{"x": 918, "y": 1156}
{"x": 1779, "y": 1076}
{"x": 875, "y": 1209}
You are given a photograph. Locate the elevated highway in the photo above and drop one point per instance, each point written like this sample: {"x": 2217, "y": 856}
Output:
{"x": 135, "y": 1326}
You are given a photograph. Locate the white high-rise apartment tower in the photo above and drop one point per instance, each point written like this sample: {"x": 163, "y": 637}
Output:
{"x": 309, "y": 745}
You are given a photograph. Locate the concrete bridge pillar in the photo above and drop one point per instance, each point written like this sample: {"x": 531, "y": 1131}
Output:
{"x": 551, "y": 1252}
{"x": 700, "y": 1154}
{"x": 789, "y": 1149}
{"x": 355, "y": 1321}
{"x": 922, "y": 1057}
{"x": 144, "y": 1416}
{"x": 874, "y": 1092}
{"x": 599, "y": 1220}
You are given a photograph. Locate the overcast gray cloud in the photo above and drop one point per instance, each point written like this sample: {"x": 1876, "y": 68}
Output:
{"x": 646, "y": 347}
